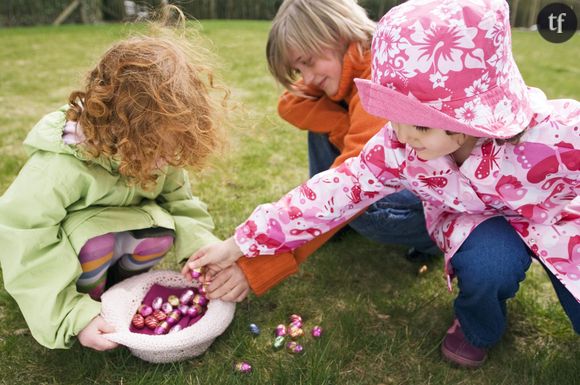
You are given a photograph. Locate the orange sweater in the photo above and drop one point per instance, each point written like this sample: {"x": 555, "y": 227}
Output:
{"x": 348, "y": 126}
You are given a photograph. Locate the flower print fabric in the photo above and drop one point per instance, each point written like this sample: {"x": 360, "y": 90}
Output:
{"x": 533, "y": 184}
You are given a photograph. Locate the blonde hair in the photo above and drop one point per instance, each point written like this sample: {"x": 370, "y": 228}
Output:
{"x": 311, "y": 26}
{"x": 147, "y": 103}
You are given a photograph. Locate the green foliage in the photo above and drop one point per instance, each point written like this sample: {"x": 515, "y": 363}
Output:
{"x": 383, "y": 321}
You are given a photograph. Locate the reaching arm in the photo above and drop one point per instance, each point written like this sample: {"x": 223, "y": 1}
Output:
{"x": 322, "y": 203}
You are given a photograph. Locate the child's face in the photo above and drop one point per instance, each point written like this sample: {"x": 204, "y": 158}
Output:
{"x": 320, "y": 71}
{"x": 430, "y": 143}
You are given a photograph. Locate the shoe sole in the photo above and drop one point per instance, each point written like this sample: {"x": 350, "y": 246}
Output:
{"x": 459, "y": 360}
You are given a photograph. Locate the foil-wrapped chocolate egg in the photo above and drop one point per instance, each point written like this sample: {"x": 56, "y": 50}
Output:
{"x": 199, "y": 299}
{"x": 145, "y": 310}
{"x": 196, "y": 273}
{"x": 295, "y": 332}
{"x": 162, "y": 328}
{"x": 151, "y": 322}
{"x": 254, "y": 329}
{"x": 173, "y": 317}
{"x": 173, "y": 300}
{"x": 138, "y": 321}
{"x": 297, "y": 323}
{"x": 159, "y": 315}
{"x": 194, "y": 311}
{"x": 156, "y": 303}
{"x": 183, "y": 309}
{"x": 280, "y": 330}
{"x": 166, "y": 307}
{"x": 295, "y": 317}
{"x": 278, "y": 342}
{"x": 294, "y": 347}
{"x": 242, "y": 367}
{"x": 316, "y": 331}
{"x": 186, "y": 297}
{"x": 175, "y": 328}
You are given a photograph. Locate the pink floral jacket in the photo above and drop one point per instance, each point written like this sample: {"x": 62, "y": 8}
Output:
{"x": 534, "y": 184}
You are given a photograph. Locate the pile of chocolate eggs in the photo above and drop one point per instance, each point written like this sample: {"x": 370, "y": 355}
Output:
{"x": 294, "y": 330}
{"x": 285, "y": 335}
{"x": 164, "y": 314}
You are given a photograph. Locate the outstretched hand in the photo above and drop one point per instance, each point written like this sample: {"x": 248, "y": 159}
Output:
{"x": 216, "y": 257}
{"x": 230, "y": 284}
{"x": 92, "y": 335}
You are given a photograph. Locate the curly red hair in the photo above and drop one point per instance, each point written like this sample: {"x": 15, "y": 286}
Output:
{"x": 146, "y": 104}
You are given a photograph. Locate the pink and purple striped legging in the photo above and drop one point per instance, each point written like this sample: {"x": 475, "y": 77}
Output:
{"x": 126, "y": 253}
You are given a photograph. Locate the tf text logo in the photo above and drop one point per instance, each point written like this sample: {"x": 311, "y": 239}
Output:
{"x": 557, "y": 22}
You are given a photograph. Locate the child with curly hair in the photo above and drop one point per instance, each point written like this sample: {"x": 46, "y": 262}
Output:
{"x": 105, "y": 193}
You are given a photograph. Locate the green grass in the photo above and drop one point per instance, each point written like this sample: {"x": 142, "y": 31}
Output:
{"x": 383, "y": 321}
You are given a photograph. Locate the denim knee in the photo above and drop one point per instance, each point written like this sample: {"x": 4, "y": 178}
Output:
{"x": 493, "y": 259}
{"x": 479, "y": 275}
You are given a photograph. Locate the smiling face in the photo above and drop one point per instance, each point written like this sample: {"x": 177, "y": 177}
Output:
{"x": 433, "y": 143}
{"x": 322, "y": 71}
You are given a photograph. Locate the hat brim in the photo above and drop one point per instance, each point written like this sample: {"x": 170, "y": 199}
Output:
{"x": 386, "y": 103}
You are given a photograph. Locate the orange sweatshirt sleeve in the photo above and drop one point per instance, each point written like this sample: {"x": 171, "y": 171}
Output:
{"x": 363, "y": 126}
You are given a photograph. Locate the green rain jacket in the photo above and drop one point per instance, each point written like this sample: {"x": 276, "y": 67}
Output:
{"x": 58, "y": 201}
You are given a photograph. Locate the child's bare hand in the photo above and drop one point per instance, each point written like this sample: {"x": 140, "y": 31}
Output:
{"x": 92, "y": 335}
{"x": 230, "y": 285}
{"x": 218, "y": 255}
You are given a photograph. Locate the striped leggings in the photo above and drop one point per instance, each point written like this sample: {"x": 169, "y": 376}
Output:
{"x": 112, "y": 257}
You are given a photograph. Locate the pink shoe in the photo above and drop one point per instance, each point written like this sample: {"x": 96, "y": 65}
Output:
{"x": 457, "y": 349}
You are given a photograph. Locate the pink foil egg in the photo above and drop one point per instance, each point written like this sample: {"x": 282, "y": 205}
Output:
{"x": 295, "y": 317}
{"x": 138, "y": 321}
{"x": 297, "y": 323}
{"x": 294, "y": 347}
{"x": 242, "y": 367}
{"x": 196, "y": 273}
{"x": 162, "y": 328}
{"x": 166, "y": 307}
{"x": 194, "y": 311}
{"x": 316, "y": 331}
{"x": 280, "y": 330}
{"x": 183, "y": 309}
{"x": 145, "y": 310}
{"x": 175, "y": 328}
{"x": 186, "y": 297}
{"x": 156, "y": 303}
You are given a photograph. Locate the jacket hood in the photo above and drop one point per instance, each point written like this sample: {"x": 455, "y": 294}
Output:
{"x": 47, "y": 135}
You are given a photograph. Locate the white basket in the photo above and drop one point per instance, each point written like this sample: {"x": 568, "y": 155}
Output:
{"x": 120, "y": 302}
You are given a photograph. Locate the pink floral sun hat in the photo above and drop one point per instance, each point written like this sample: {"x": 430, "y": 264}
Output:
{"x": 447, "y": 64}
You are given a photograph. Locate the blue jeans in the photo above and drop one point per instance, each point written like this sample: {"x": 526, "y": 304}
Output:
{"x": 397, "y": 218}
{"x": 489, "y": 266}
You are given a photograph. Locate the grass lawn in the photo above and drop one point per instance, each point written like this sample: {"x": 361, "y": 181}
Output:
{"x": 383, "y": 321}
